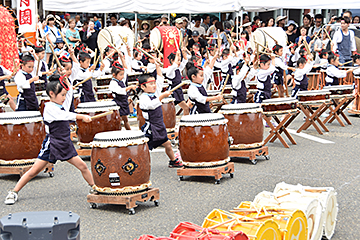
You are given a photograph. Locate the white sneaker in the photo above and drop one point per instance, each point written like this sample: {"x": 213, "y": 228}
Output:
{"x": 11, "y": 198}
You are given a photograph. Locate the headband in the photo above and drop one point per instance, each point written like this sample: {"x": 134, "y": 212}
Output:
{"x": 64, "y": 59}
{"x": 63, "y": 83}
{"x": 153, "y": 80}
{"x": 197, "y": 66}
{"x": 117, "y": 65}
{"x": 337, "y": 55}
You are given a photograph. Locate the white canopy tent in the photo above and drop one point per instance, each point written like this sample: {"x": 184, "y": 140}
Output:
{"x": 190, "y": 6}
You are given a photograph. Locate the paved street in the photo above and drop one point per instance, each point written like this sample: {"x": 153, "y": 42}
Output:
{"x": 309, "y": 163}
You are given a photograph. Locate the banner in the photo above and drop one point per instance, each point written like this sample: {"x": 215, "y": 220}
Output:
{"x": 26, "y": 13}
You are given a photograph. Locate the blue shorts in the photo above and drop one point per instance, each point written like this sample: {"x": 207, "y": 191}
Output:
{"x": 45, "y": 150}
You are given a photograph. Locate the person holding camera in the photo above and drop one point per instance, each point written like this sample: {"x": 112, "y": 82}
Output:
{"x": 144, "y": 33}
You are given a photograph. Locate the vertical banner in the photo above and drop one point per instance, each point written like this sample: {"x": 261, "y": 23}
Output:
{"x": 26, "y": 13}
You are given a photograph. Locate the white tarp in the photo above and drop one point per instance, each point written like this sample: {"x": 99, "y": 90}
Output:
{"x": 190, "y": 6}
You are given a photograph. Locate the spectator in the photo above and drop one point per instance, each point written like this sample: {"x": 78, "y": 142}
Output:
{"x": 197, "y": 40}
{"x": 125, "y": 23}
{"x": 206, "y": 22}
{"x": 303, "y": 36}
{"x": 113, "y": 20}
{"x": 185, "y": 26}
{"x": 144, "y": 33}
{"x": 270, "y": 22}
{"x": 97, "y": 24}
{"x": 41, "y": 34}
{"x": 66, "y": 18}
{"x": 83, "y": 30}
{"x": 164, "y": 20}
{"x": 291, "y": 31}
{"x": 344, "y": 41}
{"x": 347, "y": 14}
{"x": 356, "y": 20}
{"x": 197, "y": 26}
{"x": 211, "y": 29}
{"x": 246, "y": 18}
{"x": 51, "y": 33}
{"x": 78, "y": 23}
{"x": 72, "y": 35}
{"x": 90, "y": 36}
{"x": 179, "y": 25}
{"x": 307, "y": 21}
{"x": 317, "y": 27}
{"x": 280, "y": 21}
{"x": 256, "y": 23}
{"x": 157, "y": 22}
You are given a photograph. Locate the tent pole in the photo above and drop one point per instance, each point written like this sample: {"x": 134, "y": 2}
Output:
{"x": 136, "y": 29}
{"x": 105, "y": 18}
{"x": 237, "y": 25}
{"x": 241, "y": 18}
{"x": 190, "y": 19}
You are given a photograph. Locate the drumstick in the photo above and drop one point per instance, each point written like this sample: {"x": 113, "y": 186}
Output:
{"x": 64, "y": 39}
{"x": 327, "y": 34}
{"x": 276, "y": 42}
{"x": 95, "y": 55}
{"x": 160, "y": 54}
{"x": 259, "y": 44}
{"x": 85, "y": 80}
{"x": 315, "y": 190}
{"x": 178, "y": 86}
{"x": 176, "y": 43}
{"x": 122, "y": 39}
{"x": 55, "y": 56}
{"x": 283, "y": 195}
{"x": 226, "y": 80}
{"x": 269, "y": 53}
{"x": 218, "y": 39}
{"x": 342, "y": 64}
{"x": 150, "y": 56}
{"x": 112, "y": 45}
{"x": 101, "y": 115}
{"x": 96, "y": 62}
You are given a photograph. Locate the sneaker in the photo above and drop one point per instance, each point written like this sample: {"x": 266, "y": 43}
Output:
{"x": 11, "y": 198}
{"x": 92, "y": 190}
{"x": 175, "y": 164}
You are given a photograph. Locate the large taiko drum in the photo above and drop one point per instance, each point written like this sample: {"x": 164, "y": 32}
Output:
{"x": 186, "y": 85}
{"x": 261, "y": 36}
{"x": 225, "y": 221}
{"x": 245, "y": 124}
{"x": 313, "y": 97}
{"x": 132, "y": 78}
{"x": 327, "y": 198}
{"x": 295, "y": 201}
{"x": 21, "y": 134}
{"x": 103, "y": 80}
{"x": 169, "y": 112}
{"x": 113, "y": 34}
{"x": 2, "y": 107}
{"x": 252, "y": 87}
{"x": 340, "y": 91}
{"x": 39, "y": 85}
{"x": 217, "y": 79}
{"x": 292, "y": 223}
{"x": 279, "y": 105}
{"x": 87, "y": 131}
{"x": 167, "y": 39}
{"x": 204, "y": 140}
{"x": 120, "y": 162}
{"x": 104, "y": 94}
{"x": 45, "y": 98}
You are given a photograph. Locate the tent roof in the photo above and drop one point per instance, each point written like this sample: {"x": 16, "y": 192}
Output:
{"x": 190, "y": 6}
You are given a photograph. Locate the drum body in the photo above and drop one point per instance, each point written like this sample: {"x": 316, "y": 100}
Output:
{"x": 103, "y": 80}
{"x": 87, "y": 131}
{"x": 104, "y": 94}
{"x": 261, "y": 36}
{"x": 2, "y": 107}
{"x": 213, "y": 92}
{"x": 132, "y": 78}
{"x": 279, "y": 105}
{"x": 203, "y": 139}
{"x": 76, "y": 100}
{"x": 169, "y": 112}
{"x": 327, "y": 198}
{"x": 112, "y": 34}
{"x": 295, "y": 201}
{"x": 339, "y": 91}
{"x": 120, "y": 162}
{"x": 217, "y": 79}
{"x": 39, "y": 85}
{"x": 44, "y": 99}
{"x": 252, "y": 87}
{"x": 268, "y": 229}
{"x": 245, "y": 124}
{"x": 167, "y": 39}
{"x": 315, "y": 96}
{"x": 22, "y": 134}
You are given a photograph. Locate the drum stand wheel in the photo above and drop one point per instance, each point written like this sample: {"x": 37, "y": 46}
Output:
{"x": 151, "y": 194}
{"x": 251, "y": 153}
{"x": 21, "y": 170}
{"x": 217, "y": 172}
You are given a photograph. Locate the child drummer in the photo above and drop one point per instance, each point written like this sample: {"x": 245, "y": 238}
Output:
{"x": 150, "y": 103}
{"x": 57, "y": 144}
{"x": 333, "y": 73}
{"x": 300, "y": 78}
{"x": 267, "y": 68}
{"x": 197, "y": 90}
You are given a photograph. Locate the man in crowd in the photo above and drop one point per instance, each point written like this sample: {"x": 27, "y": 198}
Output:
{"x": 197, "y": 26}
{"x": 344, "y": 41}
{"x": 206, "y": 22}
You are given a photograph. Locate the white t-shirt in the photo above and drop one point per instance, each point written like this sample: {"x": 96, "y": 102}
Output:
{"x": 200, "y": 29}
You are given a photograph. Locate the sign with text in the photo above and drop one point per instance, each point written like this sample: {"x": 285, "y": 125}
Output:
{"x": 26, "y": 13}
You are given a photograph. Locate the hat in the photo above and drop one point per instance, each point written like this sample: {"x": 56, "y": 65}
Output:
{"x": 195, "y": 33}
{"x": 59, "y": 40}
{"x": 121, "y": 19}
{"x": 49, "y": 16}
{"x": 185, "y": 19}
{"x": 145, "y": 22}
{"x": 67, "y": 14}
{"x": 178, "y": 20}
{"x": 279, "y": 18}
{"x": 292, "y": 22}
{"x": 164, "y": 16}
{"x": 157, "y": 20}
{"x": 247, "y": 24}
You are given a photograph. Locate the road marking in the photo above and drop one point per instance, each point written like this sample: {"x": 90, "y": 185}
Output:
{"x": 310, "y": 137}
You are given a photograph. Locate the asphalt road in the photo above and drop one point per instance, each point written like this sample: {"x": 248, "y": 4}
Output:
{"x": 309, "y": 163}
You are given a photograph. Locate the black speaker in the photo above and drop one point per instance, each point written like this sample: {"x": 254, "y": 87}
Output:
{"x": 50, "y": 225}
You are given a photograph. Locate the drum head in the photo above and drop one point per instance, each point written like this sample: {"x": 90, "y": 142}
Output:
{"x": 96, "y": 107}
{"x": 286, "y": 100}
{"x": 168, "y": 100}
{"x": 112, "y": 34}
{"x": 118, "y": 139}
{"x": 241, "y": 107}
{"x": 20, "y": 117}
{"x": 204, "y": 119}
{"x": 313, "y": 92}
{"x": 155, "y": 39}
{"x": 261, "y": 35}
